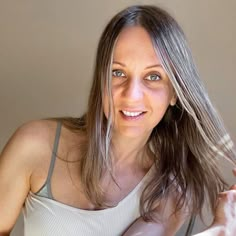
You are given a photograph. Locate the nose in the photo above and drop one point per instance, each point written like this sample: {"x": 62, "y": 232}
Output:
{"x": 133, "y": 90}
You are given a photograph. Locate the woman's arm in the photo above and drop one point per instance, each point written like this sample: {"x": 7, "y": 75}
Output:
{"x": 140, "y": 227}
{"x": 167, "y": 225}
{"x": 17, "y": 161}
{"x": 224, "y": 223}
{"x": 213, "y": 231}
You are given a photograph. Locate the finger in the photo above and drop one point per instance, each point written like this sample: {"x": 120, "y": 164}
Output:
{"x": 234, "y": 171}
{"x": 233, "y": 187}
{"x": 229, "y": 196}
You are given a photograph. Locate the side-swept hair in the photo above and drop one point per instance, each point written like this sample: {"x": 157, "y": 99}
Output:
{"x": 188, "y": 140}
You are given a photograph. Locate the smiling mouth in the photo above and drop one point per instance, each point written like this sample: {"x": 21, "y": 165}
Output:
{"x": 132, "y": 114}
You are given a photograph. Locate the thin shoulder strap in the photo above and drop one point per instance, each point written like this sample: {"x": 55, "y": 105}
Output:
{"x": 53, "y": 159}
{"x": 190, "y": 226}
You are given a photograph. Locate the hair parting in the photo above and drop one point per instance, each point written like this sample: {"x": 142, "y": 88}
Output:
{"x": 186, "y": 144}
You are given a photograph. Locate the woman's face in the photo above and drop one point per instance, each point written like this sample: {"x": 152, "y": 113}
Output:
{"x": 141, "y": 89}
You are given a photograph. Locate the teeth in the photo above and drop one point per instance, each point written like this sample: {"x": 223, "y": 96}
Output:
{"x": 128, "y": 113}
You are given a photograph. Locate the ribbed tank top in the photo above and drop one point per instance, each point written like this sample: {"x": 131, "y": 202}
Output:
{"x": 43, "y": 216}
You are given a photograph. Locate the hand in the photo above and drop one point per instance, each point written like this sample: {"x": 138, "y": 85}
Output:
{"x": 224, "y": 223}
{"x": 225, "y": 214}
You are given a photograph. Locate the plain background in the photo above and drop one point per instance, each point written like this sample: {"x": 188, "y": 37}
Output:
{"x": 47, "y": 51}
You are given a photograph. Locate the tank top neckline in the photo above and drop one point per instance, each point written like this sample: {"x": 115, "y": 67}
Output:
{"x": 72, "y": 208}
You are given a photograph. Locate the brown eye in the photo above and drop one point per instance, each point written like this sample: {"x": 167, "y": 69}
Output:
{"x": 118, "y": 73}
{"x": 153, "y": 77}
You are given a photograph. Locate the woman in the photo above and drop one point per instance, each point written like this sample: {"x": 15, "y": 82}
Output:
{"x": 140, "y": 161}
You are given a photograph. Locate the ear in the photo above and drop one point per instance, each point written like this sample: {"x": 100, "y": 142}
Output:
{"x": 173, "y": 99}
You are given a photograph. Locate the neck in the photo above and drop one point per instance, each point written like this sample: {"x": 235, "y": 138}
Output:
{"x": 127, "y": 150}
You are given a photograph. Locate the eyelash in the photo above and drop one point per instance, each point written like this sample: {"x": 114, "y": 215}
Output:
{"x": 114, "y": 71}
{"x": 158, "y": 76}
{"x": 120, "y": 71}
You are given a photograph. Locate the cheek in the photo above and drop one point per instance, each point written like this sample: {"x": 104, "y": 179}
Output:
{"x": 161, "y": 97}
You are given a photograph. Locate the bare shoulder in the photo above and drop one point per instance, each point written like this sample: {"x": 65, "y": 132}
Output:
{"x": 37, "y": 131}
{"x": 18, "y": 160}
{"x": 29, "y": 149}
{"x": 35, "y": 140}
{"x": 30, "y": 140}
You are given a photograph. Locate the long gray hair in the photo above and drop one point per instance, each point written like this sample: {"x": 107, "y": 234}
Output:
{"x": 186, "y": 142}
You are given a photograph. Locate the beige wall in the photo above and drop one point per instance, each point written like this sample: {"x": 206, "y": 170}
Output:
{"x": 47, "y": 51}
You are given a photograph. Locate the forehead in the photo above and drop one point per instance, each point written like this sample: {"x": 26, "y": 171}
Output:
{"x": 134, "y": 43}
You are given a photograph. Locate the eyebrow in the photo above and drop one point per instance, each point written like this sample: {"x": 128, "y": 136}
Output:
{"x": 148, "y": 67}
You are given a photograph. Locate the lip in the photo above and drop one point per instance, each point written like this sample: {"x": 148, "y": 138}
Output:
{"x": 136, "y": 111}
{"x": 133, "y": 110}
{"x": 132, "y": 118}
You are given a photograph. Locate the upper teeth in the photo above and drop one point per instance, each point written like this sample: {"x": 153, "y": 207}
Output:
{"x": 128, "y": 113}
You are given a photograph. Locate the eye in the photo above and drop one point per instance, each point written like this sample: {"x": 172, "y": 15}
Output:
{"x": 118, "y": 73}
{"x": 153, "y": 77}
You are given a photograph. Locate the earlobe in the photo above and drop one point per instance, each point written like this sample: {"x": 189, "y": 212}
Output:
{"x": 173, "y": 100}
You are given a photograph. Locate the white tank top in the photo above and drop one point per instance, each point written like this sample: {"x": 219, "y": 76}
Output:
{"x": 43, "y": 216}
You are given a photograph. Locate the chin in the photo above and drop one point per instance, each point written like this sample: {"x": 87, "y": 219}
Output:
{"x": 133, "y": 132}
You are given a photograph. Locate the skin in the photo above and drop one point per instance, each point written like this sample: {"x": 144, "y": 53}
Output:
{"x": 139, "y": 84}
{"x": 132, "y": 90}
{"x": 25, "y": 160}
{"x": 225, "y": 214}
